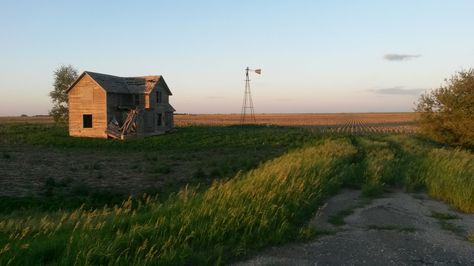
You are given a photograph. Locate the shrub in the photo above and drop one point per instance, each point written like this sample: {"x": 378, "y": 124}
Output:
{"x": 447, "y": 113}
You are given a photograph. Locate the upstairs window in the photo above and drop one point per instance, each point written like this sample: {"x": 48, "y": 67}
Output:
{"x": 86, "y": 121}
{"x": 136, "y": 99}
{"x": 159, "y": 97}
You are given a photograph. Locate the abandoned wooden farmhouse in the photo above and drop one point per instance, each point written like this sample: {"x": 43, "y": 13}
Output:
{"x": 105, "y": 106}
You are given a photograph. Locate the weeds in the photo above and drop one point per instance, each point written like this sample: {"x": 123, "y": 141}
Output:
{"x": 470, "y": 237}
{"x": 443, "y": 216}
{"x": 97, "y": 166}
{"x": 64, "y": 182}
{"x": 448, "y": 176}
{"x": 379, "y": 162}
{"x": 445, "y": 225}
{"x": 307, "y": 232}
{"x": 199, "y": 174}
{"x": 443, "y": 220}
{"x": 50, "y": 182}
{"x": 418, "y": 196}
{"x": 161, "y": 169}
{"x": 391, "y": 228}
{"x": 338, "y": 218}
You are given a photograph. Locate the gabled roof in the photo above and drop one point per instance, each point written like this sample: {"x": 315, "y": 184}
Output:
{"x": 126, "y": 85}
{"x": 109, "y": 83}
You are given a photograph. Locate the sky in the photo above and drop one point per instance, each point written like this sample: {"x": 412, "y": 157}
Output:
{"x": 315, "y": 56}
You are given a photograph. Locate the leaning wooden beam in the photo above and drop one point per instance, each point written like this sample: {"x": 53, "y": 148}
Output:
{"x": 129, "y": 126}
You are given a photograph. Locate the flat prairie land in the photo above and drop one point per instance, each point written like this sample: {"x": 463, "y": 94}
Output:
{"x": 212, "y": 193}
{"x": 26, "y": 119}
{"x": 340, "y": 122}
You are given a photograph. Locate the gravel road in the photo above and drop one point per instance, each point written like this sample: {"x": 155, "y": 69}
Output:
{"x": 397, "y": 229}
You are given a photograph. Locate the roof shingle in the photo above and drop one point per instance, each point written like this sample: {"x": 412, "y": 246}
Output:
{"x": 127, "y": 85}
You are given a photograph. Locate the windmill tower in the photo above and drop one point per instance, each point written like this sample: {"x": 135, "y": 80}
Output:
{"x": 247, "y": 114}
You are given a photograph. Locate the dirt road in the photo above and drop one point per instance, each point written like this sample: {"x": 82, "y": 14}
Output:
{"x": 398, "y": 229}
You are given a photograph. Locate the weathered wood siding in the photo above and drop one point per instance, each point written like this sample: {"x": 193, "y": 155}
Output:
{"x": 87, "y": 97}
{"x": 160, "y": 108}
{"x": 149, "y": 121}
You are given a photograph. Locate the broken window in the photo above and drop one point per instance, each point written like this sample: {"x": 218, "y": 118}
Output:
{"x": 87, "y": 121}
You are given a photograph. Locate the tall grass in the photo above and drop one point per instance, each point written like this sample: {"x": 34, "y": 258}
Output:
{"x": 400, "y": 160}
{"x": 267, "y": 205}
{"x": 446, "y": 174}
{"x": 379, "y": 164}
{"x": 449, "y": 176}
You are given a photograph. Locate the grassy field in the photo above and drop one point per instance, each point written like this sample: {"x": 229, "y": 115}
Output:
{"x": 248, "y": 187}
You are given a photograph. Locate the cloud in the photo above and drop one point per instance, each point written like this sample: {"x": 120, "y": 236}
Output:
{"x": 400, "y": 57}
{"x": 397, "y": 91}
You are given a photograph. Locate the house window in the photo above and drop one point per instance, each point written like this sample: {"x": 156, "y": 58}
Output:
{"x": 159, "y": 97}
{"x": 168, "y": 117}
{"x": 136, "y": 99}
{"x": 159, "y": 120}
{"x": 87, "y": 121}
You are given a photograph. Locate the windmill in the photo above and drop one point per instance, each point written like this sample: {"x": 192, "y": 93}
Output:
{"x": 247, "y": 113}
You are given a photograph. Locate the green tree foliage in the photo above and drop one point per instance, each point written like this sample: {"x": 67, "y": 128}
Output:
{"x": 64, "y": 76}
{"x": 447, "y": 113}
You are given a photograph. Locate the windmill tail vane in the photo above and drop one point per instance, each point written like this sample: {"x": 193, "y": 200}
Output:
{"x": 248, "y": 114}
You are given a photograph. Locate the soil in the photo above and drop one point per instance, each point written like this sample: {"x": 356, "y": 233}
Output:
{"x": 397, "y": 229}
{"x": 33, "y": 171}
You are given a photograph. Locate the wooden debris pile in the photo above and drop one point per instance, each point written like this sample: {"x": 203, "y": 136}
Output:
{"x": 114, "y": 130}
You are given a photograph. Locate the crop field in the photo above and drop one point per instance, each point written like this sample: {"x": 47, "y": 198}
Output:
{"x": 209, "y": 193}
{"x": 340, "y": 123}
{"x": 337, "y": 123}
{"x": 26, "y": 119}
